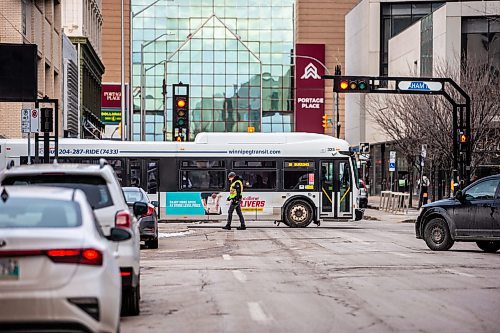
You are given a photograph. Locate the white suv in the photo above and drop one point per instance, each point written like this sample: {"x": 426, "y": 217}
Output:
{"x": 105, "y": 196}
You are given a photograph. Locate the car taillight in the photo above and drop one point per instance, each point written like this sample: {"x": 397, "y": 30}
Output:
{"x": 61, "y": 256}
{"x": 151, "y": 209}
{"x": 76, "y": 256}
{"x": 123, "y": 219}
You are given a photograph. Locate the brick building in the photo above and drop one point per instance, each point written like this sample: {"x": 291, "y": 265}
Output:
{"x": 32, "y": 22}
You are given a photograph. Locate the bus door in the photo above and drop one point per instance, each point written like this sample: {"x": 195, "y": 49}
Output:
{"x": 153, "y": 182}
{"x": 134, "y": 172}
{"x": 326, "y": 188}
{"x": 344, "y": 188}
{"x": 336, "y": 190}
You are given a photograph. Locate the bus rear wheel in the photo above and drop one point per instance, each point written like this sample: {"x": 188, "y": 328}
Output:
{"x": 298, "y": 214}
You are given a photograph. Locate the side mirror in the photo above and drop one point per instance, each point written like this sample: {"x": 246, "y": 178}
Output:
{"x": 460, "y": 196}
{"x": 140, "y": 208}
{"x": 119, "y": 235}
{"x": 155, "y": 203}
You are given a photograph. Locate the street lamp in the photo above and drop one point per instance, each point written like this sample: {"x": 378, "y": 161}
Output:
{"x": 143, "y": 83}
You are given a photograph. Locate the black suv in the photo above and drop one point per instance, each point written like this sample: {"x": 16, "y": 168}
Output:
{"x": 473, "y": 215}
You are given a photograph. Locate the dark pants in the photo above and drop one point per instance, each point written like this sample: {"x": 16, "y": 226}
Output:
{"x": 232, "y": 207}
{"x": 424, "y": 195}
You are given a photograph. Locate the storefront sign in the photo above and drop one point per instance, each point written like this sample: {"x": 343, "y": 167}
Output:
{"x": 111, "y": 113}
{"x": 309, "y": 88}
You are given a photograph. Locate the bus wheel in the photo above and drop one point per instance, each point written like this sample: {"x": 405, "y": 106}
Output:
{"x": 298, "y": 214}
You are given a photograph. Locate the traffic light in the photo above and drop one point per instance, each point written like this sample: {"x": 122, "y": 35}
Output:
{"x": 352, "y": 84}
{"x": 47, "y": 120}
{"x": 180, "y": 112}
{"x": 463, "y": 140}
{"x": 325, "y": 121}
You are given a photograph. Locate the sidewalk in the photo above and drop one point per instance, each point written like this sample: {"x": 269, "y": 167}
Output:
{"x": 373, "y": 213}
{"x": 374, "y": 201}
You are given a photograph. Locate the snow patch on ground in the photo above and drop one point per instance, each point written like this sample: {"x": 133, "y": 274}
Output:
{"x": 175, "y": 234}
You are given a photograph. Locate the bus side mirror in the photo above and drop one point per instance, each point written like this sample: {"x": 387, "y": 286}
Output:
{"x": 155, "y": 203}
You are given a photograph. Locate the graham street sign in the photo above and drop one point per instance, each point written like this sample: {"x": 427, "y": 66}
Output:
{"x": 420, "y": 86}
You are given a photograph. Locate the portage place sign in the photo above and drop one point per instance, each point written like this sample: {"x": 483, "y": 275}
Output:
{"x": 309, "y": 88}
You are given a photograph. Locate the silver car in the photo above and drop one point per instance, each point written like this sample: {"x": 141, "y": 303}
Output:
{"x": 105, "y": 196}
{"x": 57, "y": 270}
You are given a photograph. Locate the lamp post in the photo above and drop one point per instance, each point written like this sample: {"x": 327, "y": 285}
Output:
{"x": 328, "y": 72}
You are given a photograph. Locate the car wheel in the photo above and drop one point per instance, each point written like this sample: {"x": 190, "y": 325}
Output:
{"x": 131, "y": 301}
{"x": 298, "y": 214}
{"x": 437, "y": 235}
{"x": 152, "y": 244}
{"x": 489, "y": 246}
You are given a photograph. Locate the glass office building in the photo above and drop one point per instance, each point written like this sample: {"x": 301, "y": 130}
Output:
{"x": 234, "y": 54}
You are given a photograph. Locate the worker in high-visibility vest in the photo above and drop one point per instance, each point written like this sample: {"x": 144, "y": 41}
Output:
{"x": 235, "y": 195}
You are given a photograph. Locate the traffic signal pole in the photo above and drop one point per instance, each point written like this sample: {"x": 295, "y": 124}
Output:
{"x": 462, "y": 139}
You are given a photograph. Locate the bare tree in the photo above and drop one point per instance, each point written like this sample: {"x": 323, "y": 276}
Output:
{"x": 413, "y": 120}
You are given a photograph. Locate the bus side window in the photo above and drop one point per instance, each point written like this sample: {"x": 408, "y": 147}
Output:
{"x": 152, "y": 177}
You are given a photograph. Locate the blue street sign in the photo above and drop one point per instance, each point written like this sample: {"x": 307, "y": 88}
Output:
{"x": 420, "y": 86}
{"x": 392, "y": 166}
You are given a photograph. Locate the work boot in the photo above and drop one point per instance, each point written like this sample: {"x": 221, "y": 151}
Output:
{"x": 241, "y": 228}
{"x": 226, "y": 227}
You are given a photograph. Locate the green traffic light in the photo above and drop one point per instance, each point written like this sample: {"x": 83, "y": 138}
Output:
{"x": 362, "y": 85}
{"x": 180, "y": 122}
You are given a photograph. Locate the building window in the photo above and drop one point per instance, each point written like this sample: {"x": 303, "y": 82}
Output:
{"x": 234, "y": 55}
{"x": 24, "y": 9}
{"x": 481, "y": 40}
{"x": 426, "y": 48}
{"x": 395, "y": 17}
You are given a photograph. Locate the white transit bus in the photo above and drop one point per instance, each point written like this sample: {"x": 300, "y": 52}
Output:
{"x": 294, "y": 178}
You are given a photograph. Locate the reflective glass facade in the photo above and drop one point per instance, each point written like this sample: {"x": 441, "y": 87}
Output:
{"x": 234, "y": 54}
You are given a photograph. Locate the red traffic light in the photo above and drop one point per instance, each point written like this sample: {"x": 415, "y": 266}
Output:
{"x": 463, "y": 138}
{"x": 344, "y": 85}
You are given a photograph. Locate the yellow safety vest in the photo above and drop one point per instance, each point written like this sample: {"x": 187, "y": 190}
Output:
{"x": 232, "y": 190}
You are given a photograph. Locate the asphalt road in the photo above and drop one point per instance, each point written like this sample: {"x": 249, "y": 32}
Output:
{"x": 369, "y": 276}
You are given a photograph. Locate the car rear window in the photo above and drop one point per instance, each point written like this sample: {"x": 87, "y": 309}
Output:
{"x": 133, "y": 196}
{"x": 95, "y": 187}
{"x": 39, "y": 213}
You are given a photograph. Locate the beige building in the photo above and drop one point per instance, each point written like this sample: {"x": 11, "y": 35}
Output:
{"x": 82, "y": 22}
{"x": 111, "y": 40}
{"x": 32, "y": 22}
{"x": 323, "y": 22}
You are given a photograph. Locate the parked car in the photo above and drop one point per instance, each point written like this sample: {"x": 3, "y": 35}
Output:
{"x": 104, "y": 193}
{"x": 363, "y": 194}
{"x": 148, "y": 223}
{"x": 57, "y": 270}
{"x": 473, "y": 215}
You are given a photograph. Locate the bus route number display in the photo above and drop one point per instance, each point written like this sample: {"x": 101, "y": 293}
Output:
{"x": 303, "y": 164}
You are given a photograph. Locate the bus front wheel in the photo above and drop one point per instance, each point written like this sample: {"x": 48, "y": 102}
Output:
{"x": 298, "y": 214}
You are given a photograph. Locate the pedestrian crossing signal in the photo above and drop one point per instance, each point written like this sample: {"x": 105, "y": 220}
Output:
{"x": 463, "y": 138}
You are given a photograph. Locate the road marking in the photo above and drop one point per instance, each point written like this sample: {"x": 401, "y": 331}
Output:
{"x": 240, "y": 276}
{"x": 256, "y": 311}
{"x": 226, "y": 257}
{"x": 452, "y": 271}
